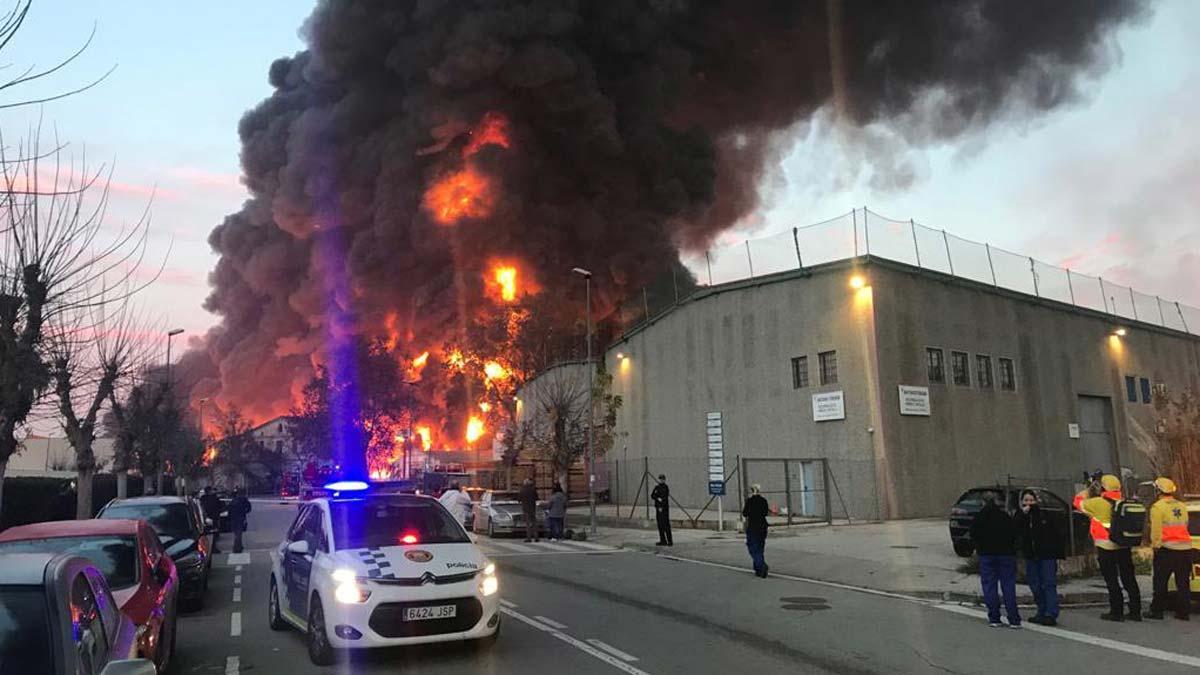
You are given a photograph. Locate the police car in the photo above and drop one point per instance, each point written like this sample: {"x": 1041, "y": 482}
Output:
{"x": 360, "y": 570}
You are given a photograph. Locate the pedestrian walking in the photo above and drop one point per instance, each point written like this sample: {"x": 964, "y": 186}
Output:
{"x": 755, "y": 512}
{"x": 1173, "y": 554}
{"x": 995, "y": 538}
{"x": 239, "y": 508}
{"x": 457, "y": 502}
{"x": 556, "y": 511}
{"x": 1041, "y": 545}
{"x": 528, "y": 497}
{"x": 662, "y": 510}
{"x": 1116, "y": 562}
{"x": 212, "y": 506}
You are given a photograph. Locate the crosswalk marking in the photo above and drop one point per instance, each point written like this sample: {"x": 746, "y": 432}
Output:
{"x": 556, "y": 547}
{"x": 512, "y": 547}
{"x": 594, "y": 547}
{"x": 502, "y": 548}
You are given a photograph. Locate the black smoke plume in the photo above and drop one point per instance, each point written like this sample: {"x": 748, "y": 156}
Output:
{"x": 638, "y": 127}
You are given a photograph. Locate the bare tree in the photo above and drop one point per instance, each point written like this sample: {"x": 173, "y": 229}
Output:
{"x": 57, "y": 259}
{"x": 1178, "y": 433}
{"x": 555, "y": 427}
{"x": 90, "y": 355}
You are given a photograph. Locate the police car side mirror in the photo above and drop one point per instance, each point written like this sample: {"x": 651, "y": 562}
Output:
{"x": 298, "y": 547}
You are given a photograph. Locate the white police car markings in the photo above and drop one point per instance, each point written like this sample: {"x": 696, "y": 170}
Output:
{"x": 376, "y": 563}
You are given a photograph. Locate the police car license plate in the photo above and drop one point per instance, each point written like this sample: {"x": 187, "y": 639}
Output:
{"x": 427, "y": 613}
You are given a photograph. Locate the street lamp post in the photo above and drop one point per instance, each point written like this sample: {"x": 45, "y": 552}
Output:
{"x": 591, "y": 421}
{"x": 204, "y": 443}
{"x": 171, "y": 394}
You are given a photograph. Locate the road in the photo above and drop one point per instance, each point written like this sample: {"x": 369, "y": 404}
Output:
{"x": 605, "y": 611}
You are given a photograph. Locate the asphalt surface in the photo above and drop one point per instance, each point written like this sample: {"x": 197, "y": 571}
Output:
{"x": 574, "y": 609}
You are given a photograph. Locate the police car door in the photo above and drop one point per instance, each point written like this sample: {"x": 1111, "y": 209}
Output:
{"x": 313, "y": 532}
{"x": 296, "y": 584}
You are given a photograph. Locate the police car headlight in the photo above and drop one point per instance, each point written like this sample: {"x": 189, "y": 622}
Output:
{"x": 489, "y": 569}
{"x": 489, "y": 585}
{"x": 348, "y": 591}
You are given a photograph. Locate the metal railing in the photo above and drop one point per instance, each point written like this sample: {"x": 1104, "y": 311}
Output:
{"x": 864, "y": 232}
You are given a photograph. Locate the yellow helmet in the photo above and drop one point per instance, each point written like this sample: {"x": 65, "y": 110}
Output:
{"x": 1165, "y": 485}
{"x": 1110, "y": 482}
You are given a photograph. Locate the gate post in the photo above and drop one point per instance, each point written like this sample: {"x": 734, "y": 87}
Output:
{"x": 787, "y": 489}
{"x": 645, "y": 478}
{"x": 825, "y": 482}
{"x": 741, "y": 472}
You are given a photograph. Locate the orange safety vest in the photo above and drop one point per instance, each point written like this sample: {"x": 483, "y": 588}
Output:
{"x": 1098, "y": 528}
{"x": 1171, "y": 515}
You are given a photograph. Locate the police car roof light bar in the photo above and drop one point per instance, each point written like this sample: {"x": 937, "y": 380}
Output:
{"x": 347, "y": 486}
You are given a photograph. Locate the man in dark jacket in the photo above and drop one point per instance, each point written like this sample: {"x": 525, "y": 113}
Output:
{"x": 528, "y": 497}
{"x": 662, "y": 510}
{"x": 995, "y": 539}
{"x": 212, "y": 506}
{"x": 1042, "y": 546}
{"x": 755, "y": 513}
{"x": 239, "y": 508}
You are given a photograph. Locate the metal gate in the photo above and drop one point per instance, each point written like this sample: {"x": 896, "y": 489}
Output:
{"x": 795, "y": 489}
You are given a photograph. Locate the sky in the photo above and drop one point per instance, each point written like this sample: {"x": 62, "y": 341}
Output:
{"x": 1109, "y": 186}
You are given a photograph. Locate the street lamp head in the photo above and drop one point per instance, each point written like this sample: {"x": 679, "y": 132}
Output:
{"x": 174, "y": 332}
{"x": 583, "y": 272}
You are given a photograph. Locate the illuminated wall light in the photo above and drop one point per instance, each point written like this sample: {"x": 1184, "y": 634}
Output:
{"x": 857, "y": 281}
{"x": 1120, "y": 332}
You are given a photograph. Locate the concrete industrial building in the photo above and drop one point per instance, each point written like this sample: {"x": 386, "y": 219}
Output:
{"x": 810, "y": 364}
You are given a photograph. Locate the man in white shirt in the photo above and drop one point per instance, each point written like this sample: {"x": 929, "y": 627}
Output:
{"x": 457, "y": 502}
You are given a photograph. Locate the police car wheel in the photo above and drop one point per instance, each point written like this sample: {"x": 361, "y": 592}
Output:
{"x": 320, "y": 652}
{"x": 275, "y": 619}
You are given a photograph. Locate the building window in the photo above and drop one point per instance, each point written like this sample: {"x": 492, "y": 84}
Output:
{"x": 1145, "y": 390}
{"x": 799, "y": 372}
{"x": 959, "y": 369}
{"x": 983, "y": 371}
{"x": 935, "y": 361}
{"x": 1008, "y": 375}
{"x": 828, "y": 363}
{"x": 1131, "y": 388}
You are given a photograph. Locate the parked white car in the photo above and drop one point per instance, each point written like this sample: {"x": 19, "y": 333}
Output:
{"x": 381, "y": 571}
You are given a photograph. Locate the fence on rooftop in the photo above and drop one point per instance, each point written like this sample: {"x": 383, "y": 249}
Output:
{"x": 864, "y": 232}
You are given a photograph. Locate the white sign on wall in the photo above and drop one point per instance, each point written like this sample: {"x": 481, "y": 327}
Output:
{"x": 716, "y": 453}
{"x": 914, "y": 400}
{"x": 1072, "y": 430}
{"x": 828, "y": 405}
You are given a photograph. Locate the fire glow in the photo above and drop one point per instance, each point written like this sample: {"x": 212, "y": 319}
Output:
{"x": 475, "y": 429}
{"x": 419, "y": 362}
{"x": 492, "y": 130}
{"x": 492, "y": 370}
{"x": 506, "y": 280}
{"x": 461, "y": 194}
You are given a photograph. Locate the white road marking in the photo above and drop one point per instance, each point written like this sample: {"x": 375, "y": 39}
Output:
{"x": 237, "y": 595}
{"x": 237, "y": 580}
{"x": 510, "y": 605}
{"x": 513, "y": 547}
{"x": 1109, "y": 643}
{"x": 582, "y": 646}
{"x": 238, "y": 558}
{"x": 235, "y": 624}
{"x": 233, "y": 665}
{"x": 611, "y": 650}
{"x": 594, "y": 547}
{"x": 959, "y": 609}
{"x": 555, "y": 547}
{"x": 551, "y": 622}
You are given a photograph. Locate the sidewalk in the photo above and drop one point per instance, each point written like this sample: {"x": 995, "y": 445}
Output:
{"x": 911, "y": 557}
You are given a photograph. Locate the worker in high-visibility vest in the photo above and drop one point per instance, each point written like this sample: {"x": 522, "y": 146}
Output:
{"x": 1172, "y": 550}
{"x": 1116, "y": 562}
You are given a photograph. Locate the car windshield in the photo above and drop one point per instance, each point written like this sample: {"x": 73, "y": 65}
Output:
{"x": 504, "y": 497}
{"x": 114, "y": 556}
{"x": 24, "y": 630}
{"x": 373, "y": 523}
{"x": 170, "y": 521}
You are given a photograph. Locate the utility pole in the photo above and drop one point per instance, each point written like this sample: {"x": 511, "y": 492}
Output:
{"x": 591, "y": 418}
{"x": 158, "y": 479}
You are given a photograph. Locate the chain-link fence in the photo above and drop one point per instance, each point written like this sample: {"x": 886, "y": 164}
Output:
{"x": 864, "y": 232}
{"x": 797, "y": 490}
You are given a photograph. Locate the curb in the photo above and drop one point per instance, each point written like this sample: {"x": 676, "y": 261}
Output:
{"x": 1074, "y": 599}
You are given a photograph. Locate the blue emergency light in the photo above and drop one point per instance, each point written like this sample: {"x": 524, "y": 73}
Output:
{"x": 347, "y": 486}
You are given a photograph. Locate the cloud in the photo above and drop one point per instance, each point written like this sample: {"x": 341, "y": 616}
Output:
{"x": 203, "y": 179}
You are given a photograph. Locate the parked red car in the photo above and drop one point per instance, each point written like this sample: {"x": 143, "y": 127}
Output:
{"x": 140, "y": 574}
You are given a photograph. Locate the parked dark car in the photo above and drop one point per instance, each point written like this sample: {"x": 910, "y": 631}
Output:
{"x": 60, "y": 618}
{"x": 962, "y": 514}
{"x": 182, "y": 533}
{"x": 139, "y": 574}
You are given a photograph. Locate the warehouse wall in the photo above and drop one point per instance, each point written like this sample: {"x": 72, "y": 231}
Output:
{"x": 976, "y": 435}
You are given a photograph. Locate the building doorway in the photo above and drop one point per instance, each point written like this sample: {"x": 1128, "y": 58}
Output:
{"x": 1097, "y": 443}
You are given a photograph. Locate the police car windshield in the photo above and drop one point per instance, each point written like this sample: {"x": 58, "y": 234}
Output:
{"x": 374, "y": 523}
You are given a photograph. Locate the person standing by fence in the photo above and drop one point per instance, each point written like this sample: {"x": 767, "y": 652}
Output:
{"x": 662, "y": 510}
{"x": 755, "y": 512}
{"x": 1041, "y": 546}
{"x": 556, "y": 511}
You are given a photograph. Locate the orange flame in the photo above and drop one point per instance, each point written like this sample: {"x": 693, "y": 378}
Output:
{"x": 492, "y": 130}
{"x": 210, "y": 456}
{"x": 475, "y": 429}
{"x": 455, "y": 359}
{"x": 421, "y": 360}
{"x": 505, "y": 278}
{"x": 426, "y": 435}
{"x": 458, "y": 195}
{"x": 485, "y": 406}
{"x": 492, "y": 370}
